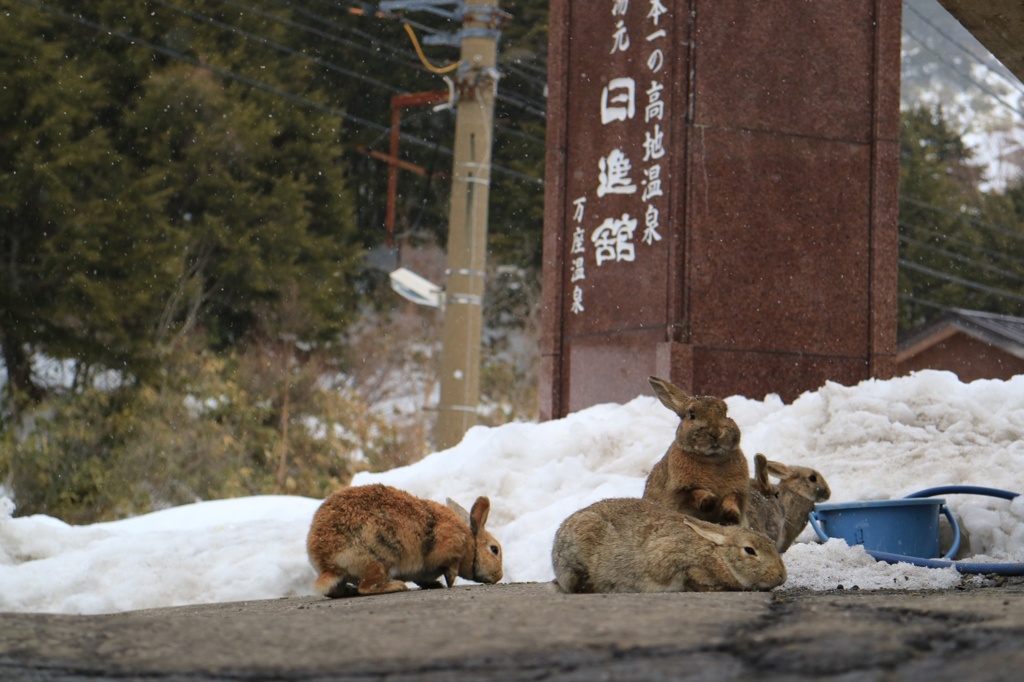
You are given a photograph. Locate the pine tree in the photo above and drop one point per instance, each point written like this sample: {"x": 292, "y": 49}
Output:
{"x": 145, "y": 195}
{"x": 938, "y": 197}
{"x": 66, "y": 290}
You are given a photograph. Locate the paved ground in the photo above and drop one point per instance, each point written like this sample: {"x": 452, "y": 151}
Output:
{"x": 529, "y": 632}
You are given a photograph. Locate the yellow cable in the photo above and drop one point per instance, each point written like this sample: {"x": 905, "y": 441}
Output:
{"x": 423, "y": 57}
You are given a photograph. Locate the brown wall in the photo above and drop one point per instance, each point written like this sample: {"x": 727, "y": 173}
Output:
{"x": 968, "y": 358}
{"x": 776, "y": 264}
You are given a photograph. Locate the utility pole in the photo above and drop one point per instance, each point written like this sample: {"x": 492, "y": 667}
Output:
{"x": 475, "y": 84}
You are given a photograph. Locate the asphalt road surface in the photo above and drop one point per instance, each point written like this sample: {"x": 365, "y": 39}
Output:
{"x": 530, "y": 632}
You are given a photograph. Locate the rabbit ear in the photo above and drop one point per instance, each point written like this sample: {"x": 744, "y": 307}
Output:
{"x": 670, "y": 395}
{"x": 712, "y": 536}
{"x": 458, "y": 509}
{"x": 778, "y": 469}
{"x": 761, "y": 472}
{"x": 478, "y": 517}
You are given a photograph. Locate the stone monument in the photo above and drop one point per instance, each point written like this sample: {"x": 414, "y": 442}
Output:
{"x": 721, "y": 197}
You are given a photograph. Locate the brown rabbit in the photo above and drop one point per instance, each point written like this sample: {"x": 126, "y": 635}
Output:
{"x": 765, "y": 513}
{"x": 371, "y": 539}
{"x": 704, "y": 472}
{"x": 799, "y": 489}
{"x": 631, "y": 545}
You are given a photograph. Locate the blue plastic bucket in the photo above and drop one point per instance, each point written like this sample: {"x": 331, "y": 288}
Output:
{"x": 909, "y": 527}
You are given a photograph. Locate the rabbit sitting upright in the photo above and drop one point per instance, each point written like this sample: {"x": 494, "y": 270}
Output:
{"x": 632, "y": 545}
{"x": 704, "y": 473}
{"x": 371, "y": 539}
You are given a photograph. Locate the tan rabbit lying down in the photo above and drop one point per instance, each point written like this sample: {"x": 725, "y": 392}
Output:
{"x": 784, "y": 517}
{"x": 704, "y": 473}
{"x": 371, "y": 539}
{"x": 632, "y": 545}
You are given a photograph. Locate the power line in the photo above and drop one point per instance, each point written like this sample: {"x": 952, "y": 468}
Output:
{"x": 259, "y": 85}
{"x": 953, "y": 279}
{"x": 404, "y": 58}
{"x": 958, "y": 257}
{"x": 998, "y": 256}
{"x": 199, "y": 16}
{"x": 535, "y": 107}
{"x": 226, "y": 73}
{"x": 1012, "y": 82}
{"x": 981, "y": 86}
{"x": 924, "y": 302}
{"x": 371, "y": 10}
{"x": 977, "y": 222}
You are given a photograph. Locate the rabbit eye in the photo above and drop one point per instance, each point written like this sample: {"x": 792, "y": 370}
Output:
{"x": 750, "y": 550}
{"x": 692, "y": 414}
{"x": 812, "y": 478}
{"x": 494, "y": 550}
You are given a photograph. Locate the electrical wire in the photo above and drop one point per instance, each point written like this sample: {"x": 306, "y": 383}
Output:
{"x": 204, "y": 18}
{"x": 981, "y": 86}
{"x": 522, "y": 104}
{"x": 259, "y": 85}
{"x": 913, "y": 300}
{"x": 533, "y": 106}
{"x": 423, "y": 58}
{"x": 960, "y": 258}
{"x": 953, "y": 279}
{"x": 992, "y": 254}
{"x": 220, "y": 71}
{"x": 392, "y": 54}
{"x": 977, "y": 222}
{"x": 1011, "y": 81}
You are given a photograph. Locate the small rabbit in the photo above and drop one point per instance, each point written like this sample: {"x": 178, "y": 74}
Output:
{"x": 704, "y": 472}
{"x": 799, "y": 489}
{"x": 633, "y": 545}
{"x": 370, "y": 539}
{"x": 765, "y": 513}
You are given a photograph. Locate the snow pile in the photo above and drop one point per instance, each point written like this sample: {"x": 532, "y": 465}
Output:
{"x": 227, "y": 550}
{"x": 834, "y": 565}
{"x": 877, "y": 440}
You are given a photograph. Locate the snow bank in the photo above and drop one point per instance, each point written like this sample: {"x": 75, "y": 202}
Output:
{"x": 876, "y": 440}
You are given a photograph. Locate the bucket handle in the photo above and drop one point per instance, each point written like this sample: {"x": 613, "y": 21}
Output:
{"x": 815, "y": 521}
{"x": 963, "y": 490}
{"x": 816, "y": 526}
{"x": 955, "y": 547}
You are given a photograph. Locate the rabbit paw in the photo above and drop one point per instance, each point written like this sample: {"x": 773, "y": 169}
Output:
{"x": 731, "y": 513}
{"x": 730, "y": 517}
{"x": 375, "y": 580}
{"x": 334, "y": 586}
{"x": 382, "y": 588}
{"x": 705, "y": 500}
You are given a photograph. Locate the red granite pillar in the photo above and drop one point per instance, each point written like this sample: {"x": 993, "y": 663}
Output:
{"x": 721, "y": 197}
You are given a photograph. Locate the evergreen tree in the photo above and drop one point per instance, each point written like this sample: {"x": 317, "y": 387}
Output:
{"x": 256, "y": 200}
{"x": 144, "y": 194}
{"x": 938, "y": 197}
{"x": 69, "y": 263}
{"x": 999, "y": 252}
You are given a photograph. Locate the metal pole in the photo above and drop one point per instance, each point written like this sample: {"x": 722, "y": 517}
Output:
{"x": 476, "y": 83}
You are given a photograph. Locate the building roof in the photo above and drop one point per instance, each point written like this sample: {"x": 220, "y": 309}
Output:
{"x": 1005, "y": 332}
{"x": 997, "y": 24}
